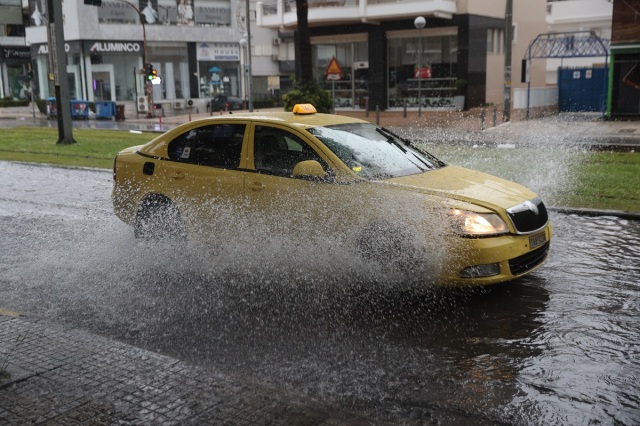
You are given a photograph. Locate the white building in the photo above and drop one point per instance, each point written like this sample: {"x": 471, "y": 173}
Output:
{"x": 194, "y": 46}
{"x": 578, "y": 15}
{"x": 15, "y": 57}
{"x": 381, "y": 53}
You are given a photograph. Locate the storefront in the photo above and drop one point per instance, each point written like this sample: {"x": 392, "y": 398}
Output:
{"x": 112, "y": 70}
{"x": 219, "y": 69}
{"x": 624, "y": 75}
{"x": 624, "y": 100}
{"x": 96, "y": 70}
{"x": 15, "y": 68}
{"x": 430, "y": 74}
{"x": 75, "y": 71}
{"x": 350, "y": 90}
{"x": 386, "y": 68}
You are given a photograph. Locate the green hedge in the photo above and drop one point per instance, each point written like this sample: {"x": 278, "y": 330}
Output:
{"x": 265, "y": 103}
{"x": 10, "y": 102}
{"x": 308, "y": 93}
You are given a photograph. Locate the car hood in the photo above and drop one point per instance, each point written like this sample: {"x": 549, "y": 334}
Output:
{"x": 458, "y": 183}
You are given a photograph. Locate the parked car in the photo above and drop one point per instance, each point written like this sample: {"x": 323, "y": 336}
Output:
{"x": 225, "y": 103}
{"x": 309, "y": 174}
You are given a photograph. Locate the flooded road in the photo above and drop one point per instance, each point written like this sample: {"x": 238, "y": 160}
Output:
{"x": 558, "y": 347}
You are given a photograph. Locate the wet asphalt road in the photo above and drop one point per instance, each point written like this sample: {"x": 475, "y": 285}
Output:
{"x": 559, "y": 347}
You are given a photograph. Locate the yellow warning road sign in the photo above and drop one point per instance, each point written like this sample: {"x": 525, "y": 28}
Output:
{"x": 333, "y": 71}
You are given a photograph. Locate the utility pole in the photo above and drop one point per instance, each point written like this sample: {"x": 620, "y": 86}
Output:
{"x": 58, "y": 67}
{"x": 508, "y": 40}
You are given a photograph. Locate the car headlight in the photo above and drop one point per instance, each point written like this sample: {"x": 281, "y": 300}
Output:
{"x": 478, "y": 224}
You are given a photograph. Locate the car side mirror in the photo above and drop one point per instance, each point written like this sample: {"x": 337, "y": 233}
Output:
{"x": 309, "y": 169}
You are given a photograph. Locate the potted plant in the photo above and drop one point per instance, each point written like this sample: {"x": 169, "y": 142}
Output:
{"x": 458, "y": 99}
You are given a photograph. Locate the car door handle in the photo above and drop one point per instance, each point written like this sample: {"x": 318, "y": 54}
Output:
{"x": 256, "y": 186}
{"x": 178, "y": 175}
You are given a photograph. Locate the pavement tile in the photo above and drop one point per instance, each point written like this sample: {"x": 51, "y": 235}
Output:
{"x": 70, "y": 377}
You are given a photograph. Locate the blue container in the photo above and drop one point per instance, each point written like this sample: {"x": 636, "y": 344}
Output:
{"x": 105, "y": 110}
{"x": 52, "y": 108}
{"x": 79, "y": 109}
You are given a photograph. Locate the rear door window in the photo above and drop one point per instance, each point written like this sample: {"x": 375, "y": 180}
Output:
{"x": 216, "y": 145}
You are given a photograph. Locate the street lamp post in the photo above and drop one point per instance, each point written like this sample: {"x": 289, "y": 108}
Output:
{"x": 245, "y": 69}
{"x": 148, "y": 89}
{"x": 249, "y": 70}
{"x": 419, "y": 23}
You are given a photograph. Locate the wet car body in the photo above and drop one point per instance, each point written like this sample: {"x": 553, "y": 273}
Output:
{"x": 310, "y": 174}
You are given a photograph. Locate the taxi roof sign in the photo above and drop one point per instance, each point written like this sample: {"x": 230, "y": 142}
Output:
{"x": 304, "y": 109}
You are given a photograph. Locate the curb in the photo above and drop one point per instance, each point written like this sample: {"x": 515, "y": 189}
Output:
{"x": 595, "y": 212}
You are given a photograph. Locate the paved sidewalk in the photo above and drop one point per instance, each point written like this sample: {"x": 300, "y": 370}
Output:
{"x": 444, "y": 126}
{"x": 70, "y": 377}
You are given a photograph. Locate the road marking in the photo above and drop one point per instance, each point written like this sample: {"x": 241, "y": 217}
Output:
{"x": 8, "y": 313}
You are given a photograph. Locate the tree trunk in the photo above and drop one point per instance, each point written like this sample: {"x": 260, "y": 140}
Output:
{"x": 303, "y": 52}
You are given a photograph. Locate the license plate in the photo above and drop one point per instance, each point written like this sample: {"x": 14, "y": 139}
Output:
{"x": 537, "y": 240}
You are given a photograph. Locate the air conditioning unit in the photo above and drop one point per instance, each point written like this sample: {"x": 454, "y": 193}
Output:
{"x": 142, "y": 103}
{"x": 178, "y": 105}
{"x": 277, "y": 41}
{"x": 275, "y": 57}
{"x": 190, "y": 103}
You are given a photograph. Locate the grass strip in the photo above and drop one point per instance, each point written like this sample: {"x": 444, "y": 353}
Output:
{"x": 596, "y": 180}
{"x": 94, "y": 148}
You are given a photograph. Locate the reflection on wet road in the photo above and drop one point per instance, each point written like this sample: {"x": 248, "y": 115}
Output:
{"x": 559, "y": 347}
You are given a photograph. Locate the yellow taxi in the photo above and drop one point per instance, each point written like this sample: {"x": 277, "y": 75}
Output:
{"x": 305, "y": 174}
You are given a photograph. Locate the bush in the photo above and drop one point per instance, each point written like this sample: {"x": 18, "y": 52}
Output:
{"x": 264, "y": 103}
{"x": 308, "y": 93}
{"x": 42, "y": 105}
{"x": 10, "y": 102}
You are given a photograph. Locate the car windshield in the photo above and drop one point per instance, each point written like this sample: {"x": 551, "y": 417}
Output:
{"x": 373, "y": 152}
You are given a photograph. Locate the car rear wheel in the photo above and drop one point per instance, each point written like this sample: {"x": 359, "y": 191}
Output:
{"x": 159, "y": 218}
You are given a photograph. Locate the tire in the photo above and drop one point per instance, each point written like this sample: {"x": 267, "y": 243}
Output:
{"x": 159, "y": 219}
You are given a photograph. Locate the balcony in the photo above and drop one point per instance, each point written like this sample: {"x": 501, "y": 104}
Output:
{"x": 281, "y": 14}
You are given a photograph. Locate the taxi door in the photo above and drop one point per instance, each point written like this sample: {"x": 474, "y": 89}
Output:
{"x": 285, "y": 205}
{"x": 204, "y": 175}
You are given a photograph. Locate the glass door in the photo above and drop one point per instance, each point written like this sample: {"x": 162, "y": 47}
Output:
{"x": 102, "y": 83}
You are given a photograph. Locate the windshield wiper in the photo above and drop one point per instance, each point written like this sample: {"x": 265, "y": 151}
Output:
{"x": 390, "y": 138}
{"x": 389, "y": 134}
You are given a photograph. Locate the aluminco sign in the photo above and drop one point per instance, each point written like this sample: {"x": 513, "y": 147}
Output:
{"x": 127, "y": 47}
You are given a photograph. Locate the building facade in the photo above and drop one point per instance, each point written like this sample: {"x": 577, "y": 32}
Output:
{"x": 195, "y": 45}
{"x": 386, "y": 62}
{"x": 624, "y": 72}
{"x": 592, "y": 16}
{"x": 15, "y": 58}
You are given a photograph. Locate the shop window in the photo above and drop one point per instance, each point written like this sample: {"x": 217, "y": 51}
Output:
{"x": 425, "y": 77}
{"x": 495, "y": 40}
{"x": 352, "y": 89}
